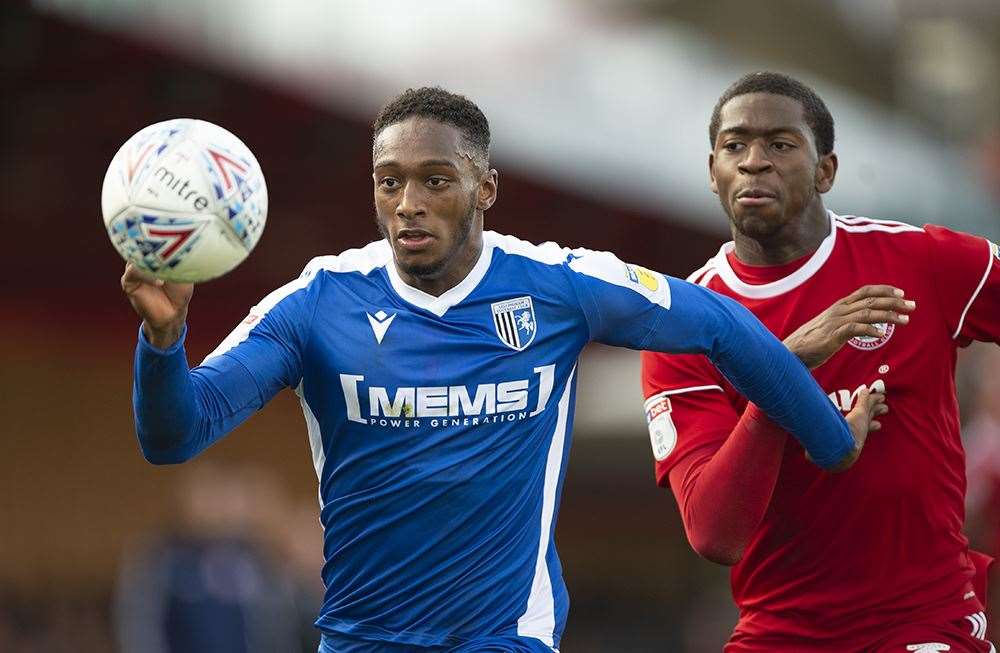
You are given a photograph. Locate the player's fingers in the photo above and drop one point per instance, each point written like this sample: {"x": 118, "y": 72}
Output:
{"x": 854, "y": 329}
{"x": 873, "y": 290}
{"x": 873, "y": 401}
{"x": 897, "y": 304}
{"x": 133, "y": 278}
{"x": 875, "y": 316}
{"x": 876, "y": 397}
{"x": 875, "y": 425}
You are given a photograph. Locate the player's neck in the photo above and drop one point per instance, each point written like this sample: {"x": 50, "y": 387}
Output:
{"x": 799, "y": 238}
{"x": 454, "y": 272}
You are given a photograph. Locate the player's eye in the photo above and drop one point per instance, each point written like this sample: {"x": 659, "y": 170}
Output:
{"x": 782, "y": 146}
{"x": 732, "y": 146}
{"x": 438, "y": 182}
{"x": 388, "y": 183}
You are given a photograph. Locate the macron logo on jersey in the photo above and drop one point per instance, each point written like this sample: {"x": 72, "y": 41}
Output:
{"x": 380, "y": 324}
{"x": 454, "y": 405}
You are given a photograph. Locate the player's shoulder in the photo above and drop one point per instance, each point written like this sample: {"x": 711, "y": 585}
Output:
{"x": 704, "y": 275}
{"x": 357, "y": 260}
{"x": 547, "y": 253}
{"x": 361, "y": 260}
{"x": 880, "y": 243}
{"x": 860, "y": 229}
{"x": 907, "y": 239}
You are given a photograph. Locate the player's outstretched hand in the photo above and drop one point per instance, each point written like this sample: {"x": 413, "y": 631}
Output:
{"x": 858, "y": 314}
{"x": 862, "y": 420}
{"x": 161, "y": 305}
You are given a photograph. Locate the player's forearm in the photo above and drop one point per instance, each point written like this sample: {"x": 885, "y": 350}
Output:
{"x": 180, "y": 412}
{"x": 769, "y": 375}
{"x": 165, "y": 403}
{"x": 724, "y": 498}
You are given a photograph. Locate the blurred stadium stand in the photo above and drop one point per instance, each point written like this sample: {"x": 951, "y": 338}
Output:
{"x": 599, "y": 112}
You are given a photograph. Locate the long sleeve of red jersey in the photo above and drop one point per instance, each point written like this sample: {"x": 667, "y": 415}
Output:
{"x": 721, "y": 467}
{"x": 724, "y": 494}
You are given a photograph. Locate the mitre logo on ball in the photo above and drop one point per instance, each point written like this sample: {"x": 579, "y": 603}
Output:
{"x": 184, "y": 200}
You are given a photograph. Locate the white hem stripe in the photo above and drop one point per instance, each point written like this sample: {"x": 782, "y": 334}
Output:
{"x": 539, "y": 617}
{"x": 979, "y": 288}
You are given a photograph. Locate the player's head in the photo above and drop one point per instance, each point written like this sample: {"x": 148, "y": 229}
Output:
{"x": 432, "y": 179}
{"x": 772, "y": 152}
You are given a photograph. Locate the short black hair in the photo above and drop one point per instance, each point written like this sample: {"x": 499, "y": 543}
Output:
{"x": 438, "y": 104}
{"x": 817, "y": 115}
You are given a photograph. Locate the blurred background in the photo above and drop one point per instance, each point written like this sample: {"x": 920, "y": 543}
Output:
{"x": 599, "y": 111}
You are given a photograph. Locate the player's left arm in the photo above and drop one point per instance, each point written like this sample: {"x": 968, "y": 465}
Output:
{"x": 629, "y": 306}
{"x": 965, "y": 272}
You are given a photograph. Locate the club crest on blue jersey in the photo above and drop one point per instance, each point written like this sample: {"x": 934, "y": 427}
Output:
{"x": 514, "y": 320}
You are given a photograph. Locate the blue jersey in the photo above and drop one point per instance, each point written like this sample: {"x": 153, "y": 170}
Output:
{"x": 440, "y": 426}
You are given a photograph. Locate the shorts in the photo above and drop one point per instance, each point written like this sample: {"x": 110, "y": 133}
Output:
{"x": 345, "y": 644}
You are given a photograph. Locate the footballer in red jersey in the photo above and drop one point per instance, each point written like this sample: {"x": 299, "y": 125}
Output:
{"x": 873, "y": 559}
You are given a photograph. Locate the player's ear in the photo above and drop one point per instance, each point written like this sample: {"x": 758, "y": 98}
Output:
{"x": 487, "y": 193}
{"x": 711, "y": 172}
{"x": 826, "y": 172}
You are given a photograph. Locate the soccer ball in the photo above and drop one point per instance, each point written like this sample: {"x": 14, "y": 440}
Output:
{"x": 184, "y": 200}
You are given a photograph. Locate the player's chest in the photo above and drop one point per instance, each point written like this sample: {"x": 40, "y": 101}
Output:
{"x": 904, "y": 360}
{"x": 394, "y": 342}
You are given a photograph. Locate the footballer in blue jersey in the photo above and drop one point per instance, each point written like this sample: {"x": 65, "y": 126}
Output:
{"x": 436, "y": 369}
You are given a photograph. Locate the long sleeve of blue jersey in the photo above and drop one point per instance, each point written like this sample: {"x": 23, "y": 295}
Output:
{"x": 180, "y": 412}
{"x": 630, "y": 306}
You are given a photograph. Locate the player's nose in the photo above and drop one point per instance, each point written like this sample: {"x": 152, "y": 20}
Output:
{"x": 755, "y": 160}
{"x": 411, "y": 203}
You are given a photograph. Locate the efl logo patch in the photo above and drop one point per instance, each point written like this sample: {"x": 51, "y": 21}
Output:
{"x": 868, "y": 343}
{"x": 662, "y": 432}
{"x": 995, "y": 249}
{"x": 642, "y": 276}
{"x": 514, "y": 320}
{"x": 649, "y": 284}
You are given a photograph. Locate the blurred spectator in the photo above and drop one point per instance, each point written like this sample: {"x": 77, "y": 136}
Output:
{"x": 209, "y": 585}
{"x": 982, "y": 440}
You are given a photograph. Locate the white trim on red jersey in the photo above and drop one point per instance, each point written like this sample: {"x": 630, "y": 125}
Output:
{"x": 887, "y": 228}
{"x": 694, "y": 276}
{"x": 979, "y": 288}
{"x": 680, "y": 391}
{"x": 848, "y": 224}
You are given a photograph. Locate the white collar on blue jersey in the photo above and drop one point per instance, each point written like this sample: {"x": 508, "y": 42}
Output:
{"x": 454, "y": 295}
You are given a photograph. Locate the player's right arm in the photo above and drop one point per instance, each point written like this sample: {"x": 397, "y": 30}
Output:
{"x": 724, "y": 466}
{"x": 721, "y": 465}
{"x": 629, "y": 306}
{"x": 180, "y": 411}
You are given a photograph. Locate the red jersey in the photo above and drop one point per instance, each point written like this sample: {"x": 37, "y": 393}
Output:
{"x": 838, "y": 558}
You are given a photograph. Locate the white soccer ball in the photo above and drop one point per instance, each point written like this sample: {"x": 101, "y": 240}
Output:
{"x": 184, "y": 200}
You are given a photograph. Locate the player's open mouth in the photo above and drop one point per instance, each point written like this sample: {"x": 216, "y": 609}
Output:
{"x": 414, "y": 239}
{"x": 755, "y": 197}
